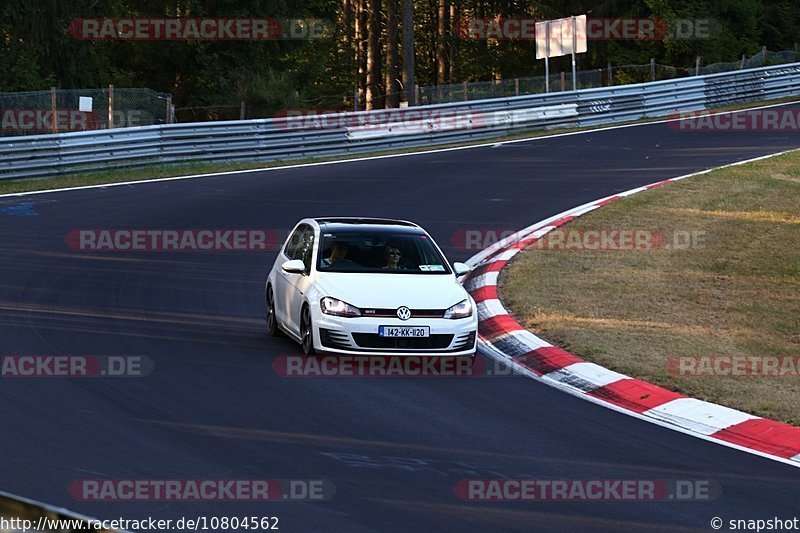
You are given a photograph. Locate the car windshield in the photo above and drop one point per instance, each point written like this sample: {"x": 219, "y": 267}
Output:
{"x": 385, "y": 252}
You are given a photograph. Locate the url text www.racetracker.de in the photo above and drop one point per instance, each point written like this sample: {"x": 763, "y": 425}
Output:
{"x": 196, "y": 523}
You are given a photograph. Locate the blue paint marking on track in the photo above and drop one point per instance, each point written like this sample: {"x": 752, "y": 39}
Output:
{"x": 21, "y": 210}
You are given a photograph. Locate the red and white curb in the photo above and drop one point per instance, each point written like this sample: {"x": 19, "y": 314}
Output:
{"x": 504, "y": 339}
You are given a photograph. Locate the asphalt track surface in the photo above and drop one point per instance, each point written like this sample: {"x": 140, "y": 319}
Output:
{"x": 214, "y": 408}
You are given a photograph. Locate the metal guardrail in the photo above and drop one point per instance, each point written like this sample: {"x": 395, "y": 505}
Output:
{"x": 278, "y": 139}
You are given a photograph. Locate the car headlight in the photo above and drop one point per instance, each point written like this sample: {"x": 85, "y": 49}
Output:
{"x": 462, "y": 309}
{"x": 332, "y": 306}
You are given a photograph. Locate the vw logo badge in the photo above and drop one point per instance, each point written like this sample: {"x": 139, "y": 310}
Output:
{"x": 403, "y": 313}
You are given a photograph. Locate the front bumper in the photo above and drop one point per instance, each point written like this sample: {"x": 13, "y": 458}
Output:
{"x": 359, "y": 336}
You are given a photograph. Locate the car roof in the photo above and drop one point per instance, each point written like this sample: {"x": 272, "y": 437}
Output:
{"x": 358, "y": 221}
{"x": 350, "y": 229}
{"x": 359, "y": 225}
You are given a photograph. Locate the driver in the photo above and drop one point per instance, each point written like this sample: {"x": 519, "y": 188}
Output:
{"x": 338, "y": 253}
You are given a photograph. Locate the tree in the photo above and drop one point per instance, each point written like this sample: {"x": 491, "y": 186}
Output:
{"x": 392, "y": 85}
{"x": 418, "y": 43}
{"x": 442, "y": 27}
{"x": 373, "y": 54}
{"x": 360, "y": 50}
{"x": 409, "y": 80}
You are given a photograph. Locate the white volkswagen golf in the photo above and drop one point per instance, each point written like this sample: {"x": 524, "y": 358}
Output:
{"x": 361, "y": 286}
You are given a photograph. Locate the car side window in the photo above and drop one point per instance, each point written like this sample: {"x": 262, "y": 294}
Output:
{"x": 306, "y": 248}
{"x": 301, "y": 245}
{"x": 293, "y": 244}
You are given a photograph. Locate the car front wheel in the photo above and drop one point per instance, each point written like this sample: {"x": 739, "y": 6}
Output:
{"x": 306, "y": 332}
{"x": 272, "y": 322}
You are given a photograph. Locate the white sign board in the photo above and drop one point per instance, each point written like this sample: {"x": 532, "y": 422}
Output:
{"x": 85, "y": 103}
{"x": 562, "y": 35}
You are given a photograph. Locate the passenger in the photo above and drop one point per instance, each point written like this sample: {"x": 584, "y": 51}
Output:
{"x": 393, "y": 256}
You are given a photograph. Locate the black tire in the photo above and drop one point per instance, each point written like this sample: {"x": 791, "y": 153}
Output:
{"x": 272, "y": 321}
{"x": 306, "y": 332}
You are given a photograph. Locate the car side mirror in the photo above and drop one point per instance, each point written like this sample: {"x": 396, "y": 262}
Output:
{"x": 295, "y": 266}
{"x": 460, "y": 269}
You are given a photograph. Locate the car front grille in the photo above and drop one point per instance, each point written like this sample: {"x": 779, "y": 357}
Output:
{"x": 373, "y": 340}
{"x": 334, "y": 339}
{"x": 415, "y": 313}
{"x": 465, "y": 341}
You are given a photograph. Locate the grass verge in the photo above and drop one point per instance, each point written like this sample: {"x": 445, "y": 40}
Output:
{"x": 719, "y": 277}
{"x": 156, "y": 171}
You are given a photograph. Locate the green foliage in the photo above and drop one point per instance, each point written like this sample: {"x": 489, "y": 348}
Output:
{"x": 37, "y": 51}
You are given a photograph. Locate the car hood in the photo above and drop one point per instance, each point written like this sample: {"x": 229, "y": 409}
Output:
{"x": 389, "y": 291}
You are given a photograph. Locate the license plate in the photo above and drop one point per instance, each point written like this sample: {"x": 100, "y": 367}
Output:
{"x": 404, "y": 331}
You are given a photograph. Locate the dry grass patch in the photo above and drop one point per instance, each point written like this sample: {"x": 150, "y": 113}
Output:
{"x": 736, "y": 291}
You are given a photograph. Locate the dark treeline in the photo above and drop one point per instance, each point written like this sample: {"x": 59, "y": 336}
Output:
{"x": 366, "y": 50}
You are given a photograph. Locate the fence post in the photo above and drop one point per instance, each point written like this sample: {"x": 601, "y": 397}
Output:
{"x": 168, "y": 119}
{"x": 355, "y": 100}
{"x": 110, "y": 106}
{"x": 466, "y": 95}
{"x": 610, "y": 75}
{"x": 241, "y": 110}
{"x": 764, "y": 52}
{"x": 53, "y": 109}
{"x": 563, "y": 81}
{"x": 697, "y": 66}
{"x": 416, "y": 94}
{"x": 652, "y": 69}
{"x": 742, "y": 65}
{"x": 516, "y": 86}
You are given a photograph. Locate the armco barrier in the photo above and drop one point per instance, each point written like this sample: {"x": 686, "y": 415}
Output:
{"x": 275, "y": 139}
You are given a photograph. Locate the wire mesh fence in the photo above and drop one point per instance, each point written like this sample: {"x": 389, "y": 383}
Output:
{"x": 559, "y": 81}
{"x": 587, "y": 79}
{"x": 478, "y": 90}
{"x": 63, "y": 110}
